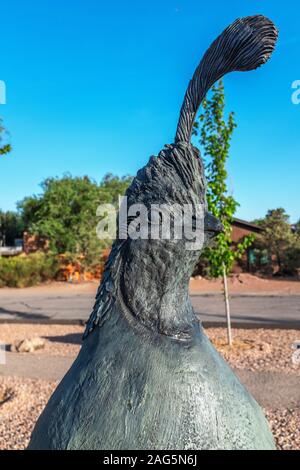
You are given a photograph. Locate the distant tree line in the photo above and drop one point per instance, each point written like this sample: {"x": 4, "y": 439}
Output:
{"x": 277, "y": 248}
{"x": 64, "y": 213}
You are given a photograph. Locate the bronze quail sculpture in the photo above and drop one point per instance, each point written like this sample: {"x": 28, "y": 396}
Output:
{"x": 147, "y": 377}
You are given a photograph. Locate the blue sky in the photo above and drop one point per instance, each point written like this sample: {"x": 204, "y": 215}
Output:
{"x": 95, "y": 86}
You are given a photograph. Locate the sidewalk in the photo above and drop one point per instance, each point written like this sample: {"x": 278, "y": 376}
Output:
{"x": 270, "y": 389}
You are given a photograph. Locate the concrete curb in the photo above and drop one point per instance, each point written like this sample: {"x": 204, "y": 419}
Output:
{"x": 206, "y": 324}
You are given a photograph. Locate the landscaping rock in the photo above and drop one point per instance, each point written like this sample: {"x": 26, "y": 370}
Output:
{"x": 28, "y": 345}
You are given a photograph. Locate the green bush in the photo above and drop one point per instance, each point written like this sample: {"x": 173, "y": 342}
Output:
{"x": 25, "y": 271}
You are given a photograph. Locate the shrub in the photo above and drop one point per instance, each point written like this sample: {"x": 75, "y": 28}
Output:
{"x": 25, "y": 271}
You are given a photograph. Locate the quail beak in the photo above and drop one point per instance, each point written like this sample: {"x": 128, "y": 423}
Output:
{"x": 212, "y": 225}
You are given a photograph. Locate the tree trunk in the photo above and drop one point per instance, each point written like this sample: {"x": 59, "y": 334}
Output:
{"x": 227, "y": 307}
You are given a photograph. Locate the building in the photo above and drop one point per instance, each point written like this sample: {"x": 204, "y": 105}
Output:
{"x": 240, "y": 229}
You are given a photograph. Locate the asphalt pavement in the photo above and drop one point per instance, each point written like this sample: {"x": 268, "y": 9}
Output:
{"x": 282, "y": 311}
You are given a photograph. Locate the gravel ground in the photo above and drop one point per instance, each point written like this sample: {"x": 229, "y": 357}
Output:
{"x": 257, "y": 349}
{"x": 285, "y": 425}
{"x": 19, "y": 413}
{"x": 60, "y": 340}
{"x": 22, "y": 400}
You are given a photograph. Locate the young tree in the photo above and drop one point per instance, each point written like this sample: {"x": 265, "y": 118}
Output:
{"x": 4, "y": 146}
{"x": 214, "y": 132}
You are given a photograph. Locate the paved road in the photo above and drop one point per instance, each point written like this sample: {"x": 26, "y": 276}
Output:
{"x": 265, "y": 310}
{"x": 270, "y": 389}
{"x": 259, "y": 310}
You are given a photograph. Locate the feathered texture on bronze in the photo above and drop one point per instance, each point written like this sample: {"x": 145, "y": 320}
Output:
{"x": 147, "y": 377}
{"x": 245, "y": 45}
